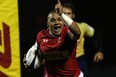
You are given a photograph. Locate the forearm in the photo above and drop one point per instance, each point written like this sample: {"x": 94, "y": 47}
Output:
{"x": 97, "y": 41}
{"x": 73, "y": 27}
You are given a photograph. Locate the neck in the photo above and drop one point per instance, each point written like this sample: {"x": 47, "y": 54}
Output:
{"x": 51, "y": 33}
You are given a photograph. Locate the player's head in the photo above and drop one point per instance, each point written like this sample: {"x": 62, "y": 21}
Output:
{"x": 54, "y": 23}
{"x": 69, "y": 10}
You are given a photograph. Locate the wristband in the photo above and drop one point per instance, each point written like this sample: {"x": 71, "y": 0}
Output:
{"x": 67, "y": 20}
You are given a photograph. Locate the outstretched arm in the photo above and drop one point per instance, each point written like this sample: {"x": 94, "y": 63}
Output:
{"x": 29, "y": 56}
{"x": 74, "y": 31}
{"x": 98, "y": 44}
{"x": 33, "y": 48}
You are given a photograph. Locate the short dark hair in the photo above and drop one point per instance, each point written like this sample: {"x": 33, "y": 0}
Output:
{"x": 52, "y": 11}
{"x": 69, "y": 5}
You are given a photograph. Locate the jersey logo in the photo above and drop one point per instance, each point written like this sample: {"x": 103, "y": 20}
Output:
{"x": 45, "y": 40}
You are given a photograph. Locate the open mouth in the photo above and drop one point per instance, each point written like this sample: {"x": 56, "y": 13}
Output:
{"x": 57, "y": 27}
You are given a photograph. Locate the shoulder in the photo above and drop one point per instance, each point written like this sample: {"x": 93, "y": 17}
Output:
{"x": 83, "y": 24}
{"x": 42, "y": 32}
{"x": 86, "y": 29}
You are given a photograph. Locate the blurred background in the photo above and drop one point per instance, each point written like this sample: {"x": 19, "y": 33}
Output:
{"x": 98, "y": 13}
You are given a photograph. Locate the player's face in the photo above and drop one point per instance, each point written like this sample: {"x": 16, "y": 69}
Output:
{"x": 68, "y": 12}
{"x": 55, "y": 24}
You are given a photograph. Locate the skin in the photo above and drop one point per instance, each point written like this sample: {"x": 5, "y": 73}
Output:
{"x": 74, "y": 31}
{"x": 55, "y": 26}
{"x": 68, "y": 12}
{"x": 99, "y": 55}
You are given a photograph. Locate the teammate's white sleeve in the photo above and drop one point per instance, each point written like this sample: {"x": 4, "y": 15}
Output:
{"x": 31, "y": 54}
{"x": 33, "y": 57}
{"x": 34, "y": 47}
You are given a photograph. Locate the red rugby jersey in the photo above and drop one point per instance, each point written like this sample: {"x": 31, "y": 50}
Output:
{"x": 59, "y": 53}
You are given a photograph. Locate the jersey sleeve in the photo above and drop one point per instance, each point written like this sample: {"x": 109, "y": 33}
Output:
{"x": 89, "y": 31}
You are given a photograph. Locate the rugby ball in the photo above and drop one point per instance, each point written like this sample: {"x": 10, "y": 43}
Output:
{"x": 32, "y": 58}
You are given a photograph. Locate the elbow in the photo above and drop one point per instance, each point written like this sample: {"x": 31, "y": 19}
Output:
{"x": 77, "y": 36}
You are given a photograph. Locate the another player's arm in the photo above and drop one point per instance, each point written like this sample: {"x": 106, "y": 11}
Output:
{"x": 98, "y": 44}
{"x": 33, "y": 48}
{"x": 96, "y": 38}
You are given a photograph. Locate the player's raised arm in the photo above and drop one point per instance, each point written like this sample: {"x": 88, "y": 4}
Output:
{"x": 74, "y": 31}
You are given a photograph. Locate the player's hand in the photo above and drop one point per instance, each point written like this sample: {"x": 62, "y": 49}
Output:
{"x": 59, "y": 8}
{"x": 98, "y": 56}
